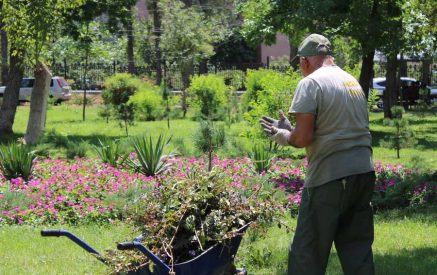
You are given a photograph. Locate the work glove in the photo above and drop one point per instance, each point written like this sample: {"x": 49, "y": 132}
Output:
{"x": 280, "y": 136}
{"x": 282, "y": 123}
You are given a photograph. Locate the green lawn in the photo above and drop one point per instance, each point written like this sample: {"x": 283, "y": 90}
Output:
{"x": 67, "y": 120}
{"x": 405, "y": 243}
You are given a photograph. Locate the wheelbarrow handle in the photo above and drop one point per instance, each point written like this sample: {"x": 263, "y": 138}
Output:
{"x": 71, "y": 236}
{"x": 51, "y": 233}
{"x": 145, "y": 251}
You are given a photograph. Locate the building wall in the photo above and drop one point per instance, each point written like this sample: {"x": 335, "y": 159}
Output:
{"x": 142, "y": 9}
{"x": 280, "y": 48}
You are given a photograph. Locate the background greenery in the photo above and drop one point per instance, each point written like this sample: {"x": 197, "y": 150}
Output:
{"x": 67, "y": 121}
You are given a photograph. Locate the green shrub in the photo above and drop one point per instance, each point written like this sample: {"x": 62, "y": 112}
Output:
{"x": 209, "y": 95}
{"x": 16, "y": 161}
{"x": 253, "y": 86}
{"x": 267, "y": 93}
{"x": 119, "y": 87}
{"x": 105, "y": 112}
{"x": 77, "y": 149}
{"x": 402, "y": 135}
{"x": 148, "y": 103}
{"x": 150, "y": 159}
{"x": 110, "y": 152}
{"x": 233, "y": 78}
{"x": 209, "y": 138}
{"x": 372, "y": 100}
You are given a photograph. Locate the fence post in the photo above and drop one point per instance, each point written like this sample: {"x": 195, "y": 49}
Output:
{"x": 113, "y": 67}
{"x": 268, "y": 62}
{"x": 65, "y": 68}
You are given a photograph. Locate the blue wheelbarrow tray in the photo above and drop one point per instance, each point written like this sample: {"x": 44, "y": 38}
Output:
{"x": 218, "y": 259}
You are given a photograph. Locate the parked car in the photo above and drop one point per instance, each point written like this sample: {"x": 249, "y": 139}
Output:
{"x": 59, "y": 89}
{"x": 409, "y": 92}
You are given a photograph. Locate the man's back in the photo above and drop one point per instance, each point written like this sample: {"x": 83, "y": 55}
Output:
{"x": 342, "y": 141}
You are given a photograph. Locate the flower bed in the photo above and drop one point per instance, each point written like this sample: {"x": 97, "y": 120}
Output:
{"x": 85, "y": 190}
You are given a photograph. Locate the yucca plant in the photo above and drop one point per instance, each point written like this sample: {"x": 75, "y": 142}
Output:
{"x": 150, "y": 159}
{"x": 110, "y": 152}
{"x": 16, "y": 161}
{"x": 261, "y": 158}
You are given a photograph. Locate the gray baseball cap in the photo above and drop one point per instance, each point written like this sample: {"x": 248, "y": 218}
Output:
{"x": 314, "y": 44}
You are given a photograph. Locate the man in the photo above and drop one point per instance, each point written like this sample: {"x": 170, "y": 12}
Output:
{"x": 332, "y": 124}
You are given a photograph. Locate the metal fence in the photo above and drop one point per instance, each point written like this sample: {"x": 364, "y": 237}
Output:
{"x": 413, "y": 70}
{"x": 97, "y": 72}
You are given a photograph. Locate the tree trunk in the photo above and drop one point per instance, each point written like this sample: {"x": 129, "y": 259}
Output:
{"x": 4, "y": 55}
{"x": 426, "y": 74}
{"x": 85, "y": 84}
{"x": 391, "y": 87}
{"x": 367, "y": 71}
{"x": 186, "y": 72}
{"x": 38, "y": 104}
{"x": 157, "y": 34}
{"x": 293, "y": 53}
{"x": 203, "y": 66}
{"x": 130, "y": 47}
{"x": 11, "y": 95}
{"x": 403, "y": 70}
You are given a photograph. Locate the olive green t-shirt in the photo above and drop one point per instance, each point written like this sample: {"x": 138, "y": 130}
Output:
{"x": 342, "y": 142}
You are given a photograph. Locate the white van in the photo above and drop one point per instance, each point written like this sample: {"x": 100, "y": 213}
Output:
{"x": 59, "y": 89}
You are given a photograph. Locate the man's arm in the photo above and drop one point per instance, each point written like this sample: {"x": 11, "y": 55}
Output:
{"x": 303, "y": 133}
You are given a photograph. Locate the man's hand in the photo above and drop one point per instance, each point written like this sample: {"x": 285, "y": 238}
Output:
{"x": 282, "y": 123}
{"x": 280, "y": 136}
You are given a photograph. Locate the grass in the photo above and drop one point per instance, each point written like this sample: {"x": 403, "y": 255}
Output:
{"x": 66, "y": 120}
{"x": 405, "y": 243}
{"x": 24, "y": 251}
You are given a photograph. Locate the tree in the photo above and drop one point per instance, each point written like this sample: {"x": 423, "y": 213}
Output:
{"x": 264, "y": 18}
{"x": 3, "y": 51}
{"x": 402, "y": 136}
{"x": 364, "y": 21}
{"x": 188, "y": 38}
{"x": 157, "y": 14}
{"x": 120, "y": 14}
{"x": 11, "y": 77}
{"x": 32, "y": 25}
{"x": 420, "y": 28}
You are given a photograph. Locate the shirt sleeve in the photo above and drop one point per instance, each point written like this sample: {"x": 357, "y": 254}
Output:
{"x": 305, "y": 97}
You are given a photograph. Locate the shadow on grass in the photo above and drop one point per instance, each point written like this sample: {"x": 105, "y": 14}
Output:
{"x": 407, "y": 261}
{"x": 426, "y": 215}
{"x": 423, "y": 143}
{"x": 9, "y": 138}
{"x": 377, "y": 136}
{"x": 421, "y": 261}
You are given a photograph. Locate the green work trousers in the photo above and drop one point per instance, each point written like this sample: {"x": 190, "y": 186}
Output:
{"x": 340, "y": 212}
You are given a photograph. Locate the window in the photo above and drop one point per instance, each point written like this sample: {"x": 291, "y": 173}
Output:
{"x": 27, "y": 83}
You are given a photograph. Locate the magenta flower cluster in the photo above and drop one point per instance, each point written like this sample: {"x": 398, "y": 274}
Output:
{"x": 388, "y": 176}
{"x": 67, "y": 192}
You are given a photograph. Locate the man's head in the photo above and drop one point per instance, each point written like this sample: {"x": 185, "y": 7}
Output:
{"x": 312, "y": 53}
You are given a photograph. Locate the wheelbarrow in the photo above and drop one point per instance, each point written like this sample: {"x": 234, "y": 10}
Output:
{"x": 216, "y": 260}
